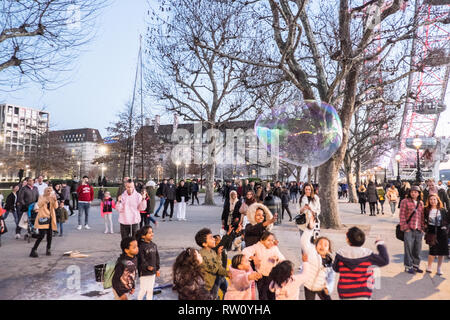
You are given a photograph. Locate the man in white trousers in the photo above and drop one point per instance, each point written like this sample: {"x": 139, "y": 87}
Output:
{"x": 182, "y": 196}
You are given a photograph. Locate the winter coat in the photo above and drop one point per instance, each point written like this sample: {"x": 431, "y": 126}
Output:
{"x": 125, "y": 272}
{"x": 152, "y": 195}
{"x": 253, "y": 230}
{"x": 442, "y": 196}
{"x": 106, "y": 206}
{"x": 130, "y": 207}
{"x": 381, "y": 194}
{"x": 362, "y": 196}
{"x": 265, "y": 255}
{"x": 194, "y": 187}
{"x": 240, "y": 287}
{"x": 355, "y": 265}
{"x": 11, "y": 200}
{"x": 392, "y": 195}
{"x": 61, "y": 215}
{"x": 169, "y": 191}
{"x": 46, "y": 209}
{"x": 27, "y": 196}
{"x": 182, "y": 191}
{"x": 211, "y": 267}
{"x": 148, "y": 256}
{"x": 372, "y": 195}
{"x": 290, "y": 290}
{"x": 235, "y": 215}
{"x": 319, "y": 276}
{"x": 285, "y": 198}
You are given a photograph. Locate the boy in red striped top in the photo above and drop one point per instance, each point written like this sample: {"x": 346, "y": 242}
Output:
{"x": 356, "y": 266}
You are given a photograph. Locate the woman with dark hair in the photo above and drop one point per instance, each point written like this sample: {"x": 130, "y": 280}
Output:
{"x": 188, "y": 278}
{"x": 310, "y": 205}
{"x": 57, "y": 189}
{"x": 230, "y": 213}
{"x": 250, "y": 198}
{"x": 436, "y": 226}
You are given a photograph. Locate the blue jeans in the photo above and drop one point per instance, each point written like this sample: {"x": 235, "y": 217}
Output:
{"x": 83, "y": 207}
{"x": 60, "y": 225}
{"x": 412, "y": 246}
{"x": 161, "y": 205}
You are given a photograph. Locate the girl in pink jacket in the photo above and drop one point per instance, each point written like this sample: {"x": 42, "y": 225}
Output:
{"x": 242, "y": 282}
{"x": 106, "y": 207}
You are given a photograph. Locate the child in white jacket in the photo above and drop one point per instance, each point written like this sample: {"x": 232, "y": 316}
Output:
{"x": 265, "y": 255}
{"x": 320, "y": 276}
{"x": 284, "y": 283}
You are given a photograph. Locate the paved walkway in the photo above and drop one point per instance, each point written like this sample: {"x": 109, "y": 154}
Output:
{"x": 59, "y": 277}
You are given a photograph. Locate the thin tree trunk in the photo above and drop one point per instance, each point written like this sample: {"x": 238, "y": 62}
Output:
{"x": 209, "y": 195}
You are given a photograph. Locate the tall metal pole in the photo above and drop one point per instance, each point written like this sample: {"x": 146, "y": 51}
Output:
{"x": 419, "y": 173}
{"x": 142, "y": 113}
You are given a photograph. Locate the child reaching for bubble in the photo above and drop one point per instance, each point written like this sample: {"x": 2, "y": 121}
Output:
{"x": 320, "y": 277}
{"x": 284, "y": 284}
{"x": 242, "y": 282}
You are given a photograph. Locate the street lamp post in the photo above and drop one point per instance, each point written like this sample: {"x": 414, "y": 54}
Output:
{"x": 177, "y": 163}
{"x": 79, "y": 169}
{"x": 103, "y": 171}
{"x": 398, "y": 158}
{"x": 417, "y": 143}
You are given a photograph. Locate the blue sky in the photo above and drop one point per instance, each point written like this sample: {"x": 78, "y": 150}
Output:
{"x": 103, "y": 76}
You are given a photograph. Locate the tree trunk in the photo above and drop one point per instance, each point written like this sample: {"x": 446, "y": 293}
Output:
{"x": 210, "y": 172}
{"x": 329, "y": 171}
{"x": 348, "y": 165}
{"x": 358, "y": 172}
{"x": 328, "y": 194}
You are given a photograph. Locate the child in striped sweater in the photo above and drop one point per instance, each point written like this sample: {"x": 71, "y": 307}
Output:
{"x": 356, "y": 265}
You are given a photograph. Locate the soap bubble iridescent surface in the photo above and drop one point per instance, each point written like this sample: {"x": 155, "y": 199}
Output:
{"x": 306, "y": 133}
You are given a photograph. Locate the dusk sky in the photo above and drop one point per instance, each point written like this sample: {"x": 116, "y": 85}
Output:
{"x": 103, "y": 77}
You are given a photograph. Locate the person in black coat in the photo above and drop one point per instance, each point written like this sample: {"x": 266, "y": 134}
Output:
{"x": 230, "y": 213}
{"x": 362, "y": 198}
{"x": 11, "y": 203}
{"x": 285, "y": 203}
{"x": 195, "y": 189}
{"x": 182, "y": 197}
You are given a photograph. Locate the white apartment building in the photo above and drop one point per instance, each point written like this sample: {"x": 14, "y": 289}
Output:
{"x": 20, "y": 128}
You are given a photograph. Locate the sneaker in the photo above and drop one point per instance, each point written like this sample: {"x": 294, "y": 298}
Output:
{"x": 428, "y": 271}
{"x": 106, "y": 231}
{"x": 79, "y": 227}
{"x": 87, "y": 227}
{"x": 416, "y": 269}
{"x": 17, "y": 236}
{"x": 163, "y": 220}
{"x": 112, "y": 232}
{"x": 170, "y": 219}
{"x": 410, "y": 270}
{"x": 439, "y": 273}
{"x": 33, "y": 254}
{"x": 48, "y": 253}
{"x": 60, "y": 234}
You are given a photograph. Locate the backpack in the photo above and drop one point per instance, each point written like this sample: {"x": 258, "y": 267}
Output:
{"x": 108, "y": 275}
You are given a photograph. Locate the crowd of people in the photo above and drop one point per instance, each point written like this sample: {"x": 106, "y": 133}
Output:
{"x": 258, "y": 270}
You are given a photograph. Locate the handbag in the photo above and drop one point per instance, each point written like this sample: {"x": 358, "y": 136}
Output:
{"x": 399, "y": 234}
{"x": 44, "y": 221}
{"x": 300, "y": 218}
{"x": 431, "y": 238}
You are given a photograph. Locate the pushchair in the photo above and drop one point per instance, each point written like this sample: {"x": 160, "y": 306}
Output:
{"x": 32, "y": 232}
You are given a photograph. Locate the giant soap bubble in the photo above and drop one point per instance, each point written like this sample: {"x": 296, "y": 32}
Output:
{"x": 302, "y": 133}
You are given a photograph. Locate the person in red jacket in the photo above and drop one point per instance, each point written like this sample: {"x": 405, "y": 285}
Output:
{"x": 85, "y": 197}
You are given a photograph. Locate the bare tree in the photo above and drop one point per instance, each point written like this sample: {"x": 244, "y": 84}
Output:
{"x": 322, "y": 50}
{"x": 39, "y": 39}
{"x": 194, "y": 82}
